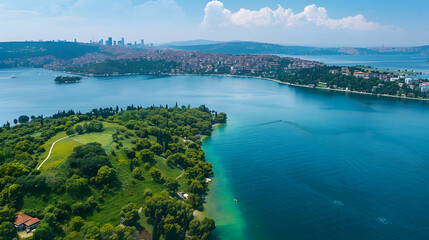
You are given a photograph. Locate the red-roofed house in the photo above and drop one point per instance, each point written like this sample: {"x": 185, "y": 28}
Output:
{"x": 25, "y": 222}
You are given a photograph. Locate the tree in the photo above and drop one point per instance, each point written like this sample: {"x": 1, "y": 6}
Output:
{"x": 76, "y": 184}
{"x": 156, "y": 175}
{"x": 196, "y": 187}
{"x": 147, "y": 155}
{"x": 157, "y": 149}
{"x": 105, "y": 175}
{"x": 168, "y": 216}
{"x": 130, "y": 153}
{"x": 76, "y": 223}
{"x": 23, "y": 119}
{"x": 7, "y": 231}
{"x": 172, "y": 185}
{"x": 177, "y": 159}
{"x": 88, "y": 159}
{"x": 137, "y": 173}
{"x": 15, "y": 121}
{"x": 79, "y": 129}
{"x": 201, "y": 230}
{"x": 70, "y": 132}
{"x": 43, "y": 232}
{"x": 130, "y": 215}
{"x": 107, "y": 231}
{"x": 22, "y": 146}
{"x": 143, "y": 143}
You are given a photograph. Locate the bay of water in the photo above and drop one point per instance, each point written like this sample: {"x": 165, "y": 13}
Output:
{"x": 303, "y": 163}
{"x": 418, "y": 63}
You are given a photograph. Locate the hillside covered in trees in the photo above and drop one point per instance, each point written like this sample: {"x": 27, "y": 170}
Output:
{"x": 108, "y": 174}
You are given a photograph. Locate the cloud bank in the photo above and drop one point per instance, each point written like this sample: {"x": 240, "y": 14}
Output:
{"x": 216, "y": 15}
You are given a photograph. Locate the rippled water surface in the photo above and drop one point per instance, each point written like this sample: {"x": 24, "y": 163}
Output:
{"x": 303, "y": 163}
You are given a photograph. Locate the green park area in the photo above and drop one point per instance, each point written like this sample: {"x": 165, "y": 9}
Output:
{"x": 82, "y": 175}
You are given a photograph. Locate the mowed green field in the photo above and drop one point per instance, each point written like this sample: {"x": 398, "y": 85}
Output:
{"x": 59, "y": 154}
{"x": 62, "y": 149}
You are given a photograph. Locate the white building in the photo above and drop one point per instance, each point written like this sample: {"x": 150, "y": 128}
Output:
{"x": 411, "y": 81}
{"x": 424, "y": 87}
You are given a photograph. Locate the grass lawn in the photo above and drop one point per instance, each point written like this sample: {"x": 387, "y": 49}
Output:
{"x": 60, "y": 152}
{"x": 104, "y": 139}
{"x": 321, "y": 85}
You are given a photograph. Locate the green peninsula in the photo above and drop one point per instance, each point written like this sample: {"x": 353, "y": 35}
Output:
{"x": 111, "y": 173}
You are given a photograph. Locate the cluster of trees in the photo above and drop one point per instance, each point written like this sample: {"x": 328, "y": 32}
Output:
{"x": 124, "y": 66}
{"x": 173, "y": 133}
{"x": 173, "y": 219}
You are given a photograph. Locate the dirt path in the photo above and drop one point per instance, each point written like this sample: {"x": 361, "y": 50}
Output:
{"x": 50, "y": 150}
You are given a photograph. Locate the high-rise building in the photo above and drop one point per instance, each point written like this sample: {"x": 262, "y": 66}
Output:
{"x": 142, "y": 43}
{"x": 121, "y": 42}
{"x": 109, "y": 42}
{"x": 114, "y": 43}
{"x": 101, "y": 42}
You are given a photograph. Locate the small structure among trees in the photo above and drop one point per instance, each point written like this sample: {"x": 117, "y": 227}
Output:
{"x": 26, "y": 223}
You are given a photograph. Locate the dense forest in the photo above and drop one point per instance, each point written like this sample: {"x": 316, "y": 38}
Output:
{"x": 113, "y": 173}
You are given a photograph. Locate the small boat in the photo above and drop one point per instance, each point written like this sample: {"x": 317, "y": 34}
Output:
{"x": 235, "y": 200}
{"x": 13, "y": 76}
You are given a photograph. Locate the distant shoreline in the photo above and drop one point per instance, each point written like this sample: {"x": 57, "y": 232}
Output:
{"x": 268, "y": 79}
{"x": 242, "y": 76}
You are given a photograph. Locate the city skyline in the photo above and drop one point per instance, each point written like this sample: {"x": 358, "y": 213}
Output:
{"x": 311, "y": 23}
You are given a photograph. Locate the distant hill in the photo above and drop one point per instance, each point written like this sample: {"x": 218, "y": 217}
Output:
{"x": 192, "y": 42}
{"x": 256, "y": 48}
{"x": 268, "y": 48}
{"x": 58, "y": 50}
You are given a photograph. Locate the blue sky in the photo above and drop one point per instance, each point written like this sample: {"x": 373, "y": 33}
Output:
{"x": 295, "y": 22}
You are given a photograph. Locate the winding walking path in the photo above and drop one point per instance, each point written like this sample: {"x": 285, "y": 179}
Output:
{"x": 183, "y": 171}
{"x": 50, "y": 150}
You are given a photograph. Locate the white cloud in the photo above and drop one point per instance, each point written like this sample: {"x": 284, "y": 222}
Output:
{"x": 217, "y": 15}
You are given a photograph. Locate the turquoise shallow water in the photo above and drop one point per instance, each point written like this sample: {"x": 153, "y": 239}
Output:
{"x": 303, "y": 163}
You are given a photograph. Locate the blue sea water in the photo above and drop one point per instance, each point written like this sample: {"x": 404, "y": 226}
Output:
{"x": 303, "y": 163}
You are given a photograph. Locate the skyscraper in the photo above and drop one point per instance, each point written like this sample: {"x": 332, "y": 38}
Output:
{"x": 109, "y": 42}
{"x": 121, "y": 42}
{"x": 142, "y": 43}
